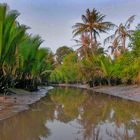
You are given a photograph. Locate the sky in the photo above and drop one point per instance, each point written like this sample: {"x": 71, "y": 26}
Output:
{"x": 53, "y": 19}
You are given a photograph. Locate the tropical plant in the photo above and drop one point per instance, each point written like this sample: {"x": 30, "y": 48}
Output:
{"x": 93, "y": 23}
{"x": 84, "y": 43}
{"x": 22, "y": 62}
{"x": 68, "y": 72}
{"x": 11, "y": 34}
{"x": 61, "y": 52}
{"x": 122, "y": 32}
{"x": 107, "y": 68}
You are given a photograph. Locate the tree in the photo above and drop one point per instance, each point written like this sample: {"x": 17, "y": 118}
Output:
{"x": 68, "y": 72}
{"x": 122, "y": 32}
{"x": 62, "y": 52}
{"x": 116, "y": 48}
{"x": 93, "y": 23}
{"x": 11, "y": 34}
{"x": 84, "y": 43}
{"x": 22, "y": 62}
{"x": 135, "y": 53}
{"x": 106, "y": 67}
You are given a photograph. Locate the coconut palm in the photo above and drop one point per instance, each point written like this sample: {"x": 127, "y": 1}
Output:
{"x": 84, "y": 43}
{"x": 84, "y": 50}
{"x": 122, "y": 32}
{"x": 116, "y": 48}
{"x": 93, "y": 23}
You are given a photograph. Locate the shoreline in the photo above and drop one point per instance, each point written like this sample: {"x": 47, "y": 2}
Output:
{"x": 10, "y": 105}
{"x": 130, "y": 92}
{"x": 21, "y": 101}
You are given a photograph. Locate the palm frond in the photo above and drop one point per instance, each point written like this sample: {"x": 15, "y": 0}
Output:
{"x": 130, "y": 21}
{"x": 84, "y": 18}
{"x": 109, "y": 39}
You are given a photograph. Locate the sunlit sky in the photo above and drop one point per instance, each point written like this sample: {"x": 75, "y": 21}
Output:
{"x": 53, "y": 19}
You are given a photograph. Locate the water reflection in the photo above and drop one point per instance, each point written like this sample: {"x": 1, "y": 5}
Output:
{"x": 74, "y": 114}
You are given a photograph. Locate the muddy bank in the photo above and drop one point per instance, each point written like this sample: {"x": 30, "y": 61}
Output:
{"x": 131, "y": 92}
{"x": 20, "y": 101}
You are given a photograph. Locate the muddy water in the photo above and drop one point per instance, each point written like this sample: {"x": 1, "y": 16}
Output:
{"x": 74, "y": 114}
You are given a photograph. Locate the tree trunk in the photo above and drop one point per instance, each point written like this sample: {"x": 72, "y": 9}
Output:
{"x": 108, "y": 80}
{"x": 91, "y": 38}
{"x": 91, "y": 42}
{"x": 85, "y": 51}
{"x": 100, "y": 81}
{"x": 124, "y": 40}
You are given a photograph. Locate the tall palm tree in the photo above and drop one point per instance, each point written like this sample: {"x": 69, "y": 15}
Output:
{"x": 84, "y": 43}
{"x": 122, "y": 32}
{"x": 84, "y": 50}
{"x": 93, "y": 23}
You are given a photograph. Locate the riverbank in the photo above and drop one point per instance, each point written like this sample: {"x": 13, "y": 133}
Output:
{"x": 20, "y": 101}
{"x": 131, "y": 92}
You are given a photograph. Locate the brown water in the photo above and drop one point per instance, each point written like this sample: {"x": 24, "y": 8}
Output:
{"x": 74, "y": 114}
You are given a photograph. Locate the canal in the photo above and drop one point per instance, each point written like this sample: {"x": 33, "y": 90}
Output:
{"x": 75, "y": 114}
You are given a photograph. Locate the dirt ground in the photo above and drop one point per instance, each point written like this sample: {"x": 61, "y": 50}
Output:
{"x": 12, "y": 104}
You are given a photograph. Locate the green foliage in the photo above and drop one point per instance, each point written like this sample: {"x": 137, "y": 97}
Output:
{"x": 93, "y": 23}
{"x": 21, "y": 58}
{"x": 68, "y": 71}
{"x": 24, "y": 62}
{"x": 62, "y": 52}
{"x": 123, "y": 67}
{"x": 127, "y": 66}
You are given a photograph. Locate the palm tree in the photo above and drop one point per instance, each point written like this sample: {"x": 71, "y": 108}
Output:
{"x": 98, "y": 49}
{"x": 84, "y": 43}
{"x": 122, "y": 32}
{"x": 28, "y": 50}
{"x": 11, "y": 34}
{"x": 106, "y": 67}
{"x": 33, "y": 63}
{"x": 84, "y": 50}
{"x": 93, "y": 23}
{"x": 116, "y": 48}
{"x": 21, "y": 59}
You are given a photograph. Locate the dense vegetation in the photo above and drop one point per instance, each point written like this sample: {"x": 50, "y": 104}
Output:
{"x": 119, "y": 64}
{"x": 22, "y": 62}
